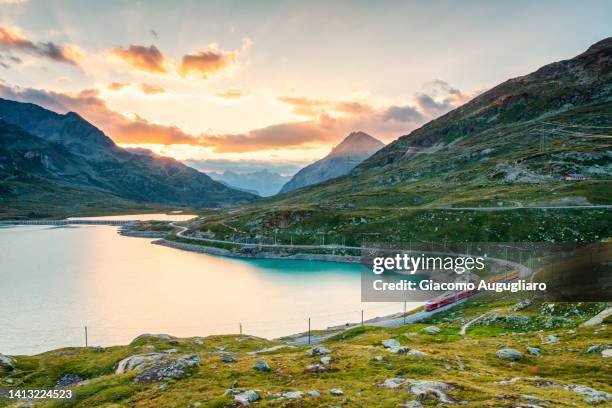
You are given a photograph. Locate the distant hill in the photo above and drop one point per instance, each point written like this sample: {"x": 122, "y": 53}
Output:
{"x": 354, "y": 149}
{"x": 44, "y": 155}
{"x": 264, "y": 183}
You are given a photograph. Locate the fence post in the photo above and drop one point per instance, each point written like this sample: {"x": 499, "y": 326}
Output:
{"x": 241, "y": 329}
{"x": 309, "y": 330}
{"x": 85, "y": 336}
{"x": 404, "y": 312}
{"x": 362, "y": 317}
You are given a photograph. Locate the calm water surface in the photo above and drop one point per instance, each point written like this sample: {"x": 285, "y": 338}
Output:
{"x": 56, "y": 280}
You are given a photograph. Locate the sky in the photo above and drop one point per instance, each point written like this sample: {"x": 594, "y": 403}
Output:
{"x": 240, "y": 84}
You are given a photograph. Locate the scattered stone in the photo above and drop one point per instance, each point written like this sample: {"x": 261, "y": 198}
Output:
{"x": 400, "y": 350}
{"x": 392, "y": 383}
{"x": 413, "y": 404}
{"x": 326, "y": 360}
{"x": 199, "y": 341}
{"x": 424, "y": 388}
{"x": 509, "y": 354}
{"x": 292, "y": 394}
{"x": 222, "y": 347}
{"x": 534, "y": 351}
{"x": 6, "y": 362}
{"x": 171, "y": 351}
{"x": 594, "y": 349}
{"x": 226, "y": 358}
{"x": 607, "y": 353}
{"x": 551, "y": 339}
{"x": 67, "y": 380}
{"x": 336, "y": 391}
{"x": 318, "y": 368}
{"x": 269, "y": 349}
{"x": 261, "y": 365}
{"x": 379, "y": 358}
{"x": 416, "y": 353}
{"x": 509, "y": 381}
{"x": 593, "y": 396}
{"x": 314, "y": 393}
{"x": 160, "y": 336}
{"x": 318, "y": 351}
{"x": 139, "y": 362}
{"x": 391, "y": 343}
{"x": 167, "y": 370}
{"x": 432, "y": 330}
{"x": 246, "y": 397}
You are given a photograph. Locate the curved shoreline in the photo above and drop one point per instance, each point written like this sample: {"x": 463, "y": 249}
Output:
{"x": 256, "y": 255}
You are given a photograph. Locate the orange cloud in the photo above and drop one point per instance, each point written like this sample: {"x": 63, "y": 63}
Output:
{"x": 151, "y": 89}
{"x": 148, "y": 59}
{"x": 12, "y": 39}
{"x": 204, "y": 63}
{"x": 232, "y": 93}
{"x": 316, "y": 107}
{"x": 148, "y": 89}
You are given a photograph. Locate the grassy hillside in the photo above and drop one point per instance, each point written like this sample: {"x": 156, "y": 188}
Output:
{"x": 566, "y": 358}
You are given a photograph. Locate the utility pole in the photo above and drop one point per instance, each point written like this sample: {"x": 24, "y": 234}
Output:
{"x": 85, "y": 336}
{"x": 241, "y": 329}
{"x": 362, "y": 317}
{"x": 309, "y": 330}
{"x": 404, "y": 312}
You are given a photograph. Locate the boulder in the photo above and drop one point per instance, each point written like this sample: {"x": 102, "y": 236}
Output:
{"x": 391, "y": 343}
{"x": 412, "y": 404}
{"x": 314, "y": 393}
{"x": 199, "y": 341}
{"x": 139, "y": 362}
{"x": 292, "y": 394}
{"x": 160, "y": 336}
{"x": 416, "y": 353}
{"x": 170, "y": 369}
{"x": 326, "y": 360}
{"x": 336, "y": 391}
{"x": 432, "y": 330}
{"x": 594, "y": 349}
{"x": 7, "y": 362}
{"x": 246, "y": 397}
{"x": 261, "y": 365}
{"x": 318, "y": 368}
{"x": 607, "y": 353}
{"x": 424, "y": 388}
{"x": 534, "y": 351}
{"x": 509, "y": 354}
{"x": 392, "y": 383}
{"x": 592, "y": 395}
{"x": 552, "y": 339}
{"x": 67, "y": 380}
{"x": 318, "y": 351}
{"x": 228, "y": 359}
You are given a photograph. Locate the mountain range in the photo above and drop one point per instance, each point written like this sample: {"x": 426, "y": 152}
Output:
{"x": 263, "y": 182}
{"x": 63, "y": 165}
{"x": 354, "y": 149}
{"x": 528, "y": 160}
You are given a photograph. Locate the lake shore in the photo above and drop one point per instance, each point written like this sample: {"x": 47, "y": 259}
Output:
{"x": 256, "y": 255}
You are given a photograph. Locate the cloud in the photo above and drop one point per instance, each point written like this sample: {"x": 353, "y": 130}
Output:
{"x": 232, "y": 93}
{"x": 149, "y": 89}
{"x": 204, "y": 63}
{"x": 402, "y": 114}
{"x": 327, "y": 122}
{"x": 117, "y": 86}
{"x": 148, "y": 59}
{"x": 315, "y": 107}
{"x": 11, "y": 39}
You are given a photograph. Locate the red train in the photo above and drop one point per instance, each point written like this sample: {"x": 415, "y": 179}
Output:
{"x": 455, "y": 297}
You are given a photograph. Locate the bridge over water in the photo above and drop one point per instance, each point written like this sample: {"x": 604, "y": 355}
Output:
{"x": 70, "y": 222}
